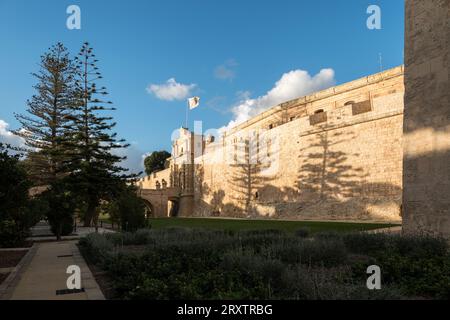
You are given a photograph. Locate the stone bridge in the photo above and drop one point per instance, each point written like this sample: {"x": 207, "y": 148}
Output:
{"x": 161, "y": 202}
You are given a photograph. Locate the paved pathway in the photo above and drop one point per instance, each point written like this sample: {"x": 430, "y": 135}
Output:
{"x": 41, "y": 232}
{"x": 46, "y": 274}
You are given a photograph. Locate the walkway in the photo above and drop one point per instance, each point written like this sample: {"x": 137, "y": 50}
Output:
{"x": 41, "y": 233}
{"x": 46, "y": 274}
{"x": 43, "y": 276}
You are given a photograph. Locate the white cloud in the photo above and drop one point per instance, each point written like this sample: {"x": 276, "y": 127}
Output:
{"x": 171, "y": 90}
{"x": 135, "y": 158}
{"x": 293, "y": 84}
{"x": 8, "y": 137}
{"x": 226, "y": 71}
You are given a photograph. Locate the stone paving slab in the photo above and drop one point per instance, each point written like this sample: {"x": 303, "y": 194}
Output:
{"x": 47, "y": 273}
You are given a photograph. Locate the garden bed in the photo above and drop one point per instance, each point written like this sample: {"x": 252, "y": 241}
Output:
{"x": 101, "y": 277}
{"x": 181, "y": 263}
{"x": 3, "y": 277}
{"x": 9, "y": 259}
{"x": 258, "y": 224}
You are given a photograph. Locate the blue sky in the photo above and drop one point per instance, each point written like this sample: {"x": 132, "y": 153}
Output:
{"x": 237, "y": 55}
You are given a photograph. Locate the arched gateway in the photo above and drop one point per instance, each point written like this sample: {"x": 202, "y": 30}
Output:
{"x": 162, "y": 202}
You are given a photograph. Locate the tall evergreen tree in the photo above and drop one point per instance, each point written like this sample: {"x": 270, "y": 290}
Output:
{"x": 96, "y": 170}
{"x": 48, "y": 113}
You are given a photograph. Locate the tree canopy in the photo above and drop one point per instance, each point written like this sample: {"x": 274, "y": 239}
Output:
{"x": 91, "y": 142}
{"x": 156, "y": 161}
{"x": 44, "y": 125}
{"x": 68, "y": 130}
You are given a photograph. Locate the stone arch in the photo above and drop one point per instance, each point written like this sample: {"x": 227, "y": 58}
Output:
{"x": 173, "y": 207}
{"x": 149, "y": 208}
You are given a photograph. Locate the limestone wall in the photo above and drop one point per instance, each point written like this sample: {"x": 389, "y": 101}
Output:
{"x": 348, "y": 167}
{"x": 427, "y": 117}
{"x": 151, "y": 181}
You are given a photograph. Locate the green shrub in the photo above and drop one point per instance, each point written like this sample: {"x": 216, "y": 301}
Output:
{"x": 15, "y": 218}
{"x": 61, "y": 208}
{"x": 182, "y": 263}
{"x": 140, "y": 237}
{"x": 128, "y": 209}
{"x": 421, "y": 246}
{"x": 419, "y": 265}
{"x": 264, "y": 232}
{"x": 65, "y": 225}
{"x": 11, "y": 234}
{"x": 328, "y": 235}
{"x": 315, "y": 252}
{"x": 419, "y": 277}
{"x": 96, "y": 247}
{"x": 302, "y": 233}
{"x": 418, "y": 246}
{"x": 363, "y": 243}
{"x": 260, "y": 276}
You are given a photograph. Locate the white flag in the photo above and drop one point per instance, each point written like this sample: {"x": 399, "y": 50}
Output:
{"x": 193, "y": 102}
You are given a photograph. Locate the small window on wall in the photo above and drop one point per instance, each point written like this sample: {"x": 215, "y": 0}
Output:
{"x": 270, "y": 126}
{"x": 319, "y": 116}
{"x": 361, "y": 107}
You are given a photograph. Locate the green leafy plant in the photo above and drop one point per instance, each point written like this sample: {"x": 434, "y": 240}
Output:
{"x": 156, "y": 161}
{"x": 15, "y": 216}
{"x": 182, "y": 263}
{"x": 61, "y": 208}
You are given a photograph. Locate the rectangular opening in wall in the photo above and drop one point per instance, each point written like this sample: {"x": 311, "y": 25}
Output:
{"x": 318, "y": 117}
{"x": 361, "y": 107}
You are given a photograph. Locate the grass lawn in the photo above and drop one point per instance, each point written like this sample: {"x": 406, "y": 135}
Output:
{"x": 241, "y": 224}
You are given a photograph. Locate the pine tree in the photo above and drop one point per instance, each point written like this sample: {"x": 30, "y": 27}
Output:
{"x": 96, "y": 170}
{"x": 43, "y": 128}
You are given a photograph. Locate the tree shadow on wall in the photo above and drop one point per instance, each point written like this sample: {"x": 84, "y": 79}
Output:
{"x": 211, "y": 202}
{"x": 331, "y": 187}
{"x": 245, "y": 180}
{"x": 325, "y": 173}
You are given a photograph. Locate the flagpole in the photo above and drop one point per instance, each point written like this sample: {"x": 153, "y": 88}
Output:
{"x": 187, "y": 110}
